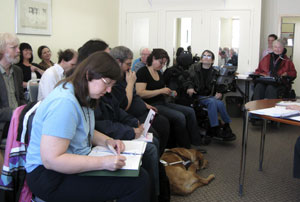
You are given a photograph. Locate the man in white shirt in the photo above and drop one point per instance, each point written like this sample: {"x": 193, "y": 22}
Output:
{"x": 66, "y": 61}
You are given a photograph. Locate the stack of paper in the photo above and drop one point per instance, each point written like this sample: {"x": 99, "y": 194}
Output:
{"x": 133, "y": 152}
{"x": 276, "y": 111}
{"x": 288, "y": 103}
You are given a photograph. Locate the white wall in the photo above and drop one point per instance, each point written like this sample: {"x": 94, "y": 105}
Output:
{"x": 272, "y": 11}
{"x": 73, "y": 23}
{"x": 163, "y": 8}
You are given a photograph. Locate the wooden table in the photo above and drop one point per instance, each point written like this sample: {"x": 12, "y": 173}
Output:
{"x": 255, "y": 105}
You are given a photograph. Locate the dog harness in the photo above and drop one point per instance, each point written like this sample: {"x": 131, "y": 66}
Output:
{"x": 185, "y": 161}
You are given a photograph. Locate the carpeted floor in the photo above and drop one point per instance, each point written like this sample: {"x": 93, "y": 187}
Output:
{"x": 275, "y": 183}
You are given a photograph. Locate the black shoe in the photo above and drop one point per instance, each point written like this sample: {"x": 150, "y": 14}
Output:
{"x": 225, "y": 134}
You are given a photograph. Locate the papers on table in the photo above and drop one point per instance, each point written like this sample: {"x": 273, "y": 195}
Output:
{"x": 277, "y": 111}
{"x": 288, "y": 103}
{"x": 295, "y": 118}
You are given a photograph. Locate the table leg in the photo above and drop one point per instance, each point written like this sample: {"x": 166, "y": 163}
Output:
{"x": 247, "y": 83}
{"x": 262, "y": 144}
{"x": 244, "y": 149}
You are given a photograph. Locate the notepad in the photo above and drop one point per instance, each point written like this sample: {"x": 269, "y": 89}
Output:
{"x": 277, "y": 111}
{"x": 133, "y": 152}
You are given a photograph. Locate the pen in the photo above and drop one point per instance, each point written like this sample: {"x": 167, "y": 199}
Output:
{"x": 112, "y": 149}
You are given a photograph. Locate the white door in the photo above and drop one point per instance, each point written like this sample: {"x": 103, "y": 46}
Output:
{"x": 196, "y": 30}
{"x": 244, "y": 51}
{"x": 141, "y": 31}
{"x": 296, "y": 60}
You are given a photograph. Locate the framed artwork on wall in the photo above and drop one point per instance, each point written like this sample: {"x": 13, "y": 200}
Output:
{"x": 33, "y": 17}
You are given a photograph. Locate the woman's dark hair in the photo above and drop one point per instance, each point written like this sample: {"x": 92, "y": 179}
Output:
{"x": 158, "y": 53}
{"x": 66, "y": 55}
{"x": 22, "y": 47}
{"x": 208, "y": 51}
{"x": 40, "y": 50}
{"x": 90, "y": 47}
{"x": 98, "y": 65}
{"x": 274, "y": 36}
{"x": 87, "y": 49}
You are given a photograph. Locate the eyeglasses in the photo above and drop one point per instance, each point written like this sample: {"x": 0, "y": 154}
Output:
{"x": 162, "y": 62}
{"x": 128, "y": 63}
{"x": 14, "y": 47}
{"x": 207, "y": 56}
{"x": 107, "y": 84}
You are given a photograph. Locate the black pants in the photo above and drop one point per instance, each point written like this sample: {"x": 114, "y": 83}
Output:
{"x": 53, "y": 186}
{"x": 297, "y": 159}
{"x": 262, "y": 91}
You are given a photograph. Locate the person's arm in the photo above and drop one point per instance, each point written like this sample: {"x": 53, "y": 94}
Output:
{"x": 141, "y": 91}
{"x": 294, "y": 107}
{"x": 36, "y": 69}
{"x": 130, "y": 79}
{"x": 99, "y": 139}
{"x": 54, "y": 157}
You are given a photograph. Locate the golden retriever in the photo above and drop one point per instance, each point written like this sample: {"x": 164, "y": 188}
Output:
{"x": 184, "y": 181}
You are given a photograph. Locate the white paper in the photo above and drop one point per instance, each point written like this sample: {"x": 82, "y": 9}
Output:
{"x": 147, "y": 138}
{"x": 277, "y": 111}
{"x": 148, "y": 121}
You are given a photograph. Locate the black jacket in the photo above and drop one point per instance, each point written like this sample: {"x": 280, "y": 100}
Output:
{"x": 113, "y": 121}
{"x": 202, "y": 85}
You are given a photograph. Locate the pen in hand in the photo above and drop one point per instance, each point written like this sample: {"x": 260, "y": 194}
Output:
{"x": 112, "y": 149}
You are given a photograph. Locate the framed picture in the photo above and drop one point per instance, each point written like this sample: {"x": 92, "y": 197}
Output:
{"x": 33, "y": 17}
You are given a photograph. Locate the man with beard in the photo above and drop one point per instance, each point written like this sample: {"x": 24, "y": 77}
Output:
{"x": 11, "y": 78}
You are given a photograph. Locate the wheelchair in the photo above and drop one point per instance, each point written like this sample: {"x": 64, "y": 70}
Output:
{"x": 224, "y": 83}
{"x": 284, "y": 84}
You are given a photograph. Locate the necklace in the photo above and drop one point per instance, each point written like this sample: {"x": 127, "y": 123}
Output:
{"x": 88, "y": 121}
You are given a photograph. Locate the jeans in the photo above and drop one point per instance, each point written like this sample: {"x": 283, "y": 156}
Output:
{"x": 183, "y": 120}
{"x": 213, "y": 107}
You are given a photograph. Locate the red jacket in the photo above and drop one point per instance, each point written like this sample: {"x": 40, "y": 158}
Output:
{"x": 286, "y": 65}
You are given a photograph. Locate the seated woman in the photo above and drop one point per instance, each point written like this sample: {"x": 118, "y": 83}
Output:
{"x": 150, "y": 86}
{"x": 30, "y": 70}
{"x": 57, "y": 154}
{"x": 44, "y": 54}
{"x": 200, "y": 84}
{"x": 275, "y": 64}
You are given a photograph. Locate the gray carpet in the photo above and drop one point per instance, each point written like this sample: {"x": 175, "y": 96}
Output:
{"x": 275, "y": 183}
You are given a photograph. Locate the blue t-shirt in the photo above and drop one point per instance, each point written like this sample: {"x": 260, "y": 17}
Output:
{"x": 61, "y": 115}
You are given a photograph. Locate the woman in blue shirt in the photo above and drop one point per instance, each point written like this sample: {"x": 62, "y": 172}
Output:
{"x": 63, "y": 133}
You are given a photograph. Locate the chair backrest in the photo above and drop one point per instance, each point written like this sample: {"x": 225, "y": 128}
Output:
{"x": 33, "y": 89}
